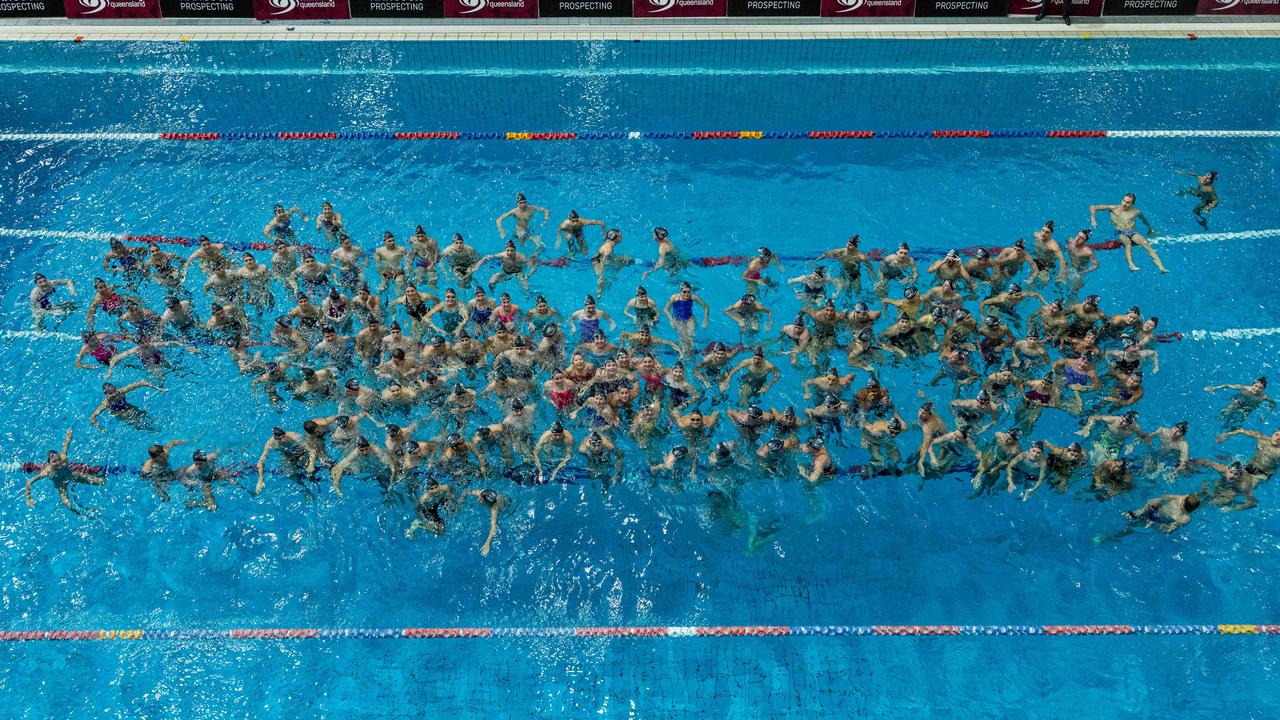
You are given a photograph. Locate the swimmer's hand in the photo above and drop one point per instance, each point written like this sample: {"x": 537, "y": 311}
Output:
{"x": 1221, "y": 438}
{"x": 31, "y": 503}
{"x": 1082, "y": 433}
{"x": 484, "y": 549}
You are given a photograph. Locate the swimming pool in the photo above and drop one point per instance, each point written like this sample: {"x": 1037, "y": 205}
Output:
{"x": 849, "y": 553}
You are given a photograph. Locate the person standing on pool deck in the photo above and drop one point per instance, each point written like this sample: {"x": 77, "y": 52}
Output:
{"x": 1125, "y": 218}
{"x": 280, "y": 225}
{"x": 1203, "y": 191}
{"x": 59, "y": 470}
{"x": 1044, "y": 11}
{"x": 572, "y": 231}
{"x": 522, "y": 212}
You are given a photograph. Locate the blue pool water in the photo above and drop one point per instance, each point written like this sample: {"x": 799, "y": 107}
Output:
{"x": 849, "y": 552}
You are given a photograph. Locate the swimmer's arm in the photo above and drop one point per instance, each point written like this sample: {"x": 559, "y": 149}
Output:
{"x": 982, "y": 306}
{"x": 84, "y": 349}
{"x": 1044, "y": 469}
{"x": 27, "y": 490}
{"x": 1265, "y": 398}
{"x": 724, "y": 384}
{"x": 1145, "y": 221}
{"x": 93, "y": 418}
{"x": 503, "y": 233}
{"x": 1247, "y": 433}
{"x": 613, "y": 325}
{"x": 493, "y": 528}
{"x": 338, "y": 471}
{"x": 262, "y": 464}
{"x": 706, "y": 309}
{"x": 65, "y": 497}
{"x": 1093, "y": 210}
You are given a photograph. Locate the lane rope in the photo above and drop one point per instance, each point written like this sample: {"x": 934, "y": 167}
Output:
{"x": 636, "y": 631}
{"x": 965, "y": 134}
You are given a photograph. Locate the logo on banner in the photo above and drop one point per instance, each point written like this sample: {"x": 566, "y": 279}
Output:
{"x": 284, "y": 5}
{"x": 662, "y": 5}
{"x": 850, "y": 5}
{"x": 93, "y": 6}
{"x": 1225, "y": 4}
{"x": 475, "y": 5}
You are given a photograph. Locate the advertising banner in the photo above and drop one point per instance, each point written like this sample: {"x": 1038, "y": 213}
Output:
{"x": 111, "y": 9}
{"x": 1149, "y": 7}
{"x": 962, "y": 8}
{"x": 397, "y": 9}
{"x": 868, "y": 8}
{"x": 491, "y": 8}
{"x": 207, "y": 8}
{"x": 32, "y": 8}
{"x": 679, "y": 8}
{"x": 584, "y": 8}
{"x": 1079, "y": 8}
{"x": 774, "y": 8}
{"x": 1238, "y": 7}
{"x": 300, "y": 9}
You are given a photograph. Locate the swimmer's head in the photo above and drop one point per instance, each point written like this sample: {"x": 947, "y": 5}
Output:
{"x": 679, "y": 452}
{"x": 1014, "y": 433}
{"x": 1181, "y": 427}
{"x": 820, "y": 271}
{"x": 278, "y": 432}
{"x": 557, "y": 428}
{"x": 748, "y": 299}
{"x": 816, "y": 442}
{"x": 108, "y": 388}
{"x": 310, "y": 427}
{"x": 454, "y": 440}
{"x": 953, "y": 255}
{"x": 457, "y": 239}
{"x": 993, "y": 321}
{"x": 938, "y": 313}
{"x": 595, "y": 438}
{"x": 852, "y": 241}
{"x": 1261, "y": 381}
{"x": 484, "y": 433}
{"x": 926, "y": 409}
{"x": 352, "y": 385}
{"x": 363, "y": 443}
{"x": 860, "y": 307}
{"x": 757, "y": 352}
{"x": 765, "y": 253}
{"x": 1128, "y": 200}
{"x": 155, "y": 451}
{"x": 775, "y": 444}
{"x": 962, "y": 313}
{"x": 1058, "y": 305}
{"x": 866, "y": 334}
{"x": 573, "y": 214}
{"x": 1190, "y": 502}
{"x": 1130, "y": 418}
{"x": 199, "y": 457}
{"x": 613, "y": 235}
{"x": 520, "y": 200}
{"x": 1048, "y": 225}
{"x": 983, "y": 397}
{"x": 982, "y": 254}
{"x": 904, "y": 248}
{"x": 790, "y": 412}
{"x": 488, "y": 497}
{"x": 1136, "y": 311}
{"x": 722, "y": 449}
{"x": 409, "y": 447}
{"x": 1015, "y": 289}
{"x": 204, "y": 241}
{"x": 754, "y": 412}
{"x": 829, "y": 304}
{"x": 660, "y": 233}
{"x": 909, "y": 292}
{"x": 1075, "y": 448}
{"x": 1020, "y": 243}
{"x": 895, "y": 426}
{"x": 1236, "y": 468}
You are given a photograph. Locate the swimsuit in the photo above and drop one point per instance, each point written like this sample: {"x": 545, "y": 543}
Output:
{"x": 561, "y": 399}
{"x": 113, "y": 303}
{"x": 506, "y": 317}
{"x": 1074, "y": 377}
{"x": 480, "y": 314}
{"x": 417, "y": 310}
{"x": 682, "y": 310}
{"x": 647, "y": 315}
{"x": 1038, "y": 397}
{"x": 588, "y": 328}
{"x": 103, "y": 353}
{"x": 677, "y": 395}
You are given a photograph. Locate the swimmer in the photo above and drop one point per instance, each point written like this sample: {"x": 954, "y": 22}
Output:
{"x": 899, "y": 266}
{"x": 366, "y": 458}
{"x": 257, "y": 282}
{"x": 61, "y": 472}
{"x": 1165, "y": 513}
{"x": 1170, "y": 452}
{"x": 588, "y": 320}
{"x": 43, "y": 304}
{"x": 1247, "y": 399}
{"x": 1112, "y": 478}
{"x": 1006, "y": 447}
{"x": 879, "y": 439}
{"x": 695, "y": 427}
{"x": 280, "y": 226}
{"x": 642, "y": 310}
{"x": 812, "y": 290}
{"x": 604, "y": 259}
{"x": 420, "y": 308}
{"x": 336, "y": 310}
{"x": 1007, "y": 302}
{"x": 678, "y": 461}
{"x": 752, "y": 423}
{"x": 572, "y": 232}
{"x": 157, "y": 470}
{"x": 496, "y": 503}
{"x": 130, "y": 262}
{"x": 1117, "y": 430}
{"x": 513, "y": 265}
{"x": 828, "y": 417}
{"x": 1125, "y": 216}
{"x": 801, "y": 341}
{"x": 931, "y": 426}
{"x": 1008, "y": 263}
{"x": 604, "y": 459}
{"x": 1064, "y": 463}
{"x": 106, "y": 297}
{"x": 944, "y": 452}
{"x": 669, "y": 257}
{"x": 284, "y": 264}
{"x": 208, "y": 255}
{"x": 424, "y": 254}
{"x": 555, "y": 440}
{"x": 821, "y": 466}
{"x": 200, "y": 476}
{"x": 950, "y": 267}
{"x": 1082, "y": 260}
{"x": 389, "y": 261}
{"x": 754, "y": 274}
{"x": 224, "y": 287}
{"x": 1205, "y": 192}
{"x": 851, "y": 260}
{"x": 758, "y": 375}
{"x": 679, "y": 312}
{"x": 1266, "y": 455}
{"x": 163, "y": 267}
{"x": 1045, "y": 254}
{"x": 1232, "y": 482}
{"x": 313, "y": 277}
{"x": 345, "y": 263}
{"x": 969, "y": 414}
{"x": 298, "y": 459}
{"x": 115, "y": 402}
{"x": 461, "y": 259}
{"x": 94, "y": 345}
{"x": 523, "y": 212}
{"x": 746, "y": 313}
{"x": 328, "y": 222}
{"x": 1029, "y": 465}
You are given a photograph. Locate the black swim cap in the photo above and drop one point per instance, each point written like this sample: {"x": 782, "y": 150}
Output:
{"x": 660, "y": 232}
{"x": 352, "y": 384}
{"x": 455, "y": 439}
{"x": 573, "y": 214}
{"x": 488, "y": 497}
{"x": 680, "y": 451}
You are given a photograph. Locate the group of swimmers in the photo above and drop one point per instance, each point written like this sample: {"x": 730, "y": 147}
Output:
{"x": 426, "y": 384}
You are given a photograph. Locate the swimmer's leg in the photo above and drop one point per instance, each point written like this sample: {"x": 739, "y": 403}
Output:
{"x": 1143, "y": 243}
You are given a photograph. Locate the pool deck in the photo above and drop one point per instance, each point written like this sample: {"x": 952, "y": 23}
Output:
{"x": 577, "y": 30}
